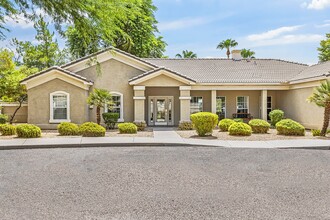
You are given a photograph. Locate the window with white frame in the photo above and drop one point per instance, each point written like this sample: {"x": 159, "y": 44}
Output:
{"x": 196, "y": 104}
{"x": 221, "y": 106}
{"x": 59, "y": 107}
{"x": 242, "y": 104}
{"x": 117, "y": 107}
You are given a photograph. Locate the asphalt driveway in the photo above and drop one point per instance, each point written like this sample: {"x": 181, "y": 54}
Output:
{"x": 164, "y": 183}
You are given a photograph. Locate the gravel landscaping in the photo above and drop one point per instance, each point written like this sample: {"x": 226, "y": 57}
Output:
{"x": 271, "y": 135}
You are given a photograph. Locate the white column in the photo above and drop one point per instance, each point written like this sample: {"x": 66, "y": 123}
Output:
{"x": 185, "y": 103}
{"x": 139, "y": 103}
{"x": 264, "y": 104}
{"x": 214, "y": 101}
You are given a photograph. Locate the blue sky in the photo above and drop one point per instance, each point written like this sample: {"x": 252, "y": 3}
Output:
{"x": 283, "y": 29}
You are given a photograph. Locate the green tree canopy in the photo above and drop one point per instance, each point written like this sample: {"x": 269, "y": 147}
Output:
{"x": 324, "y": 49}
{"x": 247, "y": 53}
{"x": 186, "y": 54}
{"x": 227, "y": 44}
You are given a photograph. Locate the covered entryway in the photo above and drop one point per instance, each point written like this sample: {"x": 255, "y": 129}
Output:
{"x": 161, "y": 111}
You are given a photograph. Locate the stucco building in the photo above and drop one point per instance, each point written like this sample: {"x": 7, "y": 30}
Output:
{"x": 164, "y": 92}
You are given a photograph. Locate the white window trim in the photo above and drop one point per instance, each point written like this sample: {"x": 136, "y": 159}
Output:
{"x": 202, "y": 102}
{"x": 248, "y": 102}
{"x": 225, "y": 104}
{"x": 51, "y": 118}
{"x": 121, "y": 119}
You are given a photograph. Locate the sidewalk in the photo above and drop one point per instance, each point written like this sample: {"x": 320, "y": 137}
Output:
{"x": 162, "y": 137}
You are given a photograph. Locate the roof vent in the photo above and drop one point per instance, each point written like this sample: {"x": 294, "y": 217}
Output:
{"x": 236, "y": 55}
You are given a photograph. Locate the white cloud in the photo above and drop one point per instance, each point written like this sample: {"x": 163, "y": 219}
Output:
{"x": 273, "y": 33}
{"x": 326, "y": 23}
{"x": 18, "y": 22}
{"x": 316, "y": 4}
{"x": 288, "y": 39}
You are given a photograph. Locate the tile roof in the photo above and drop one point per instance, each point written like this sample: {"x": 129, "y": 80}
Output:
{"x": 216, "y": 70}
{"x": 59, "y": 69}
{"x": 321, "y": 69}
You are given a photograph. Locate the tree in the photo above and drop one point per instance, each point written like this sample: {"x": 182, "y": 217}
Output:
{"x": 324, "y": 49}
{"x": 186, "y": 54}
{"x": 99, "y": 98}
{"x": 43, "y": 55}
{"x": 135, "y": 33}
{"x": 321, "y": 97}
{"x": 227, "y": 44}
{"x": 247, "y": 53}
{"x": 10, "y": 76}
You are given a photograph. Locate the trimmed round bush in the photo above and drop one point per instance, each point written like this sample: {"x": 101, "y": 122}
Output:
{"x": 259, "y": 126}
{"x": 141, "y": 126}
{"x": 91, "y": 129}
{"x": 28, "y": 131}
{"x": 316, "y": 132}
{"x": 186, "y": 125}
{"x": 275, "y": 116}
{"x": 238, "y": 120}
{"x": 68, "y": 129}
{"x": 240, "y": 129}
{"x": 290, "y": 127}
{"x": 7, "y": 129}
{"x": 110, "y": 119}
{"x": 127, "y": 128}
{"x": 204, "y": 122}
{"x": 224, "y": 124}
{"x": 3, "y": 118}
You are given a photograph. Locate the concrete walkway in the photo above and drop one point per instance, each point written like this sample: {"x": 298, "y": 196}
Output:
{"x": 162, "y": 137}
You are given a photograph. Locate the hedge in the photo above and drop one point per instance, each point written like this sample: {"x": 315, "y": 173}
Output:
{"x": 186, "y": 125}
{"x": 110, "y": 119}
{"x": 127, "y": 128}
{"x": 7, "y": 129}
{"x": 28, "y": 131}
{"x": 68, "y": 129}
{"x": 3, "y": 118}
{"x": 204, "y": 122}
{"x": 224, "y": 124}
{"x": 259, "y": 126}
{"x": 275, "y": 116}
{"x": 290, "y": 127}
{"x": 91, "y": 129}
{"x": 240, "y": 129}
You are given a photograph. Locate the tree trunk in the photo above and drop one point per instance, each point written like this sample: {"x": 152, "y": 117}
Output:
{"x": 228, "y": 53}
{"x": 98, "y": 114}
{"x": 326, "y": 119}
{"x": 14, "y": 114}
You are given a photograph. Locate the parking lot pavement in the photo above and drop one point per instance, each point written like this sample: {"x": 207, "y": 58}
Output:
{"x": 164, "y": 183}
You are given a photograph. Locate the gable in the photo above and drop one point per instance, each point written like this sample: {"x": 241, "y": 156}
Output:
{"x": 162, "y": 81}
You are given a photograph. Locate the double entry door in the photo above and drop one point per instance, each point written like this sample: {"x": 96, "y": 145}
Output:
{"x": 161, "y": 111}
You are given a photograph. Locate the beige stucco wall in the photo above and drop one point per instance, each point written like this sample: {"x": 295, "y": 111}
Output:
{"x": 114, "y": 77}
{"x": 21, "y": 115}
{"x": 39, "y": 103}
{"x": 162, "y": 91}
{"x": 295, "y": 106}
{"x": 206, "y": 98}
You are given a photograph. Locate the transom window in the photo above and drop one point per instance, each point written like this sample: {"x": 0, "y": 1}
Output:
{"x": 196, "y": 104}
{"x": 59, "y": 107}
{"x": 221, "y": 107}
{"x": 117, "y": 107}
{"x": 242, "y": 104}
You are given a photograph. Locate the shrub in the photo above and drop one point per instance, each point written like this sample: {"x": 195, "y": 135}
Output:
{"x": 224, "y": 124}
{"x": 68, "y": 129}
{"x": 186, "y": 125}
{"x": 91, "y": 129}
{"x": 28, "y": 131}
{"x": 238, "y": 120}
{"x": 259, "y": 126}
{"x": 276, "y": 116}
{"x": 240, "y": 129}
{"x": 7, "y": 129}
{"x": 140, "y": 125}
{"x": 3, "y": 118}
{"x": 110, "y": 119}
{"x": 127, "y": 128}
{"x": 316, "y": 132}
{"x": 290, "y": 127}
{"x": 204, "y": 122}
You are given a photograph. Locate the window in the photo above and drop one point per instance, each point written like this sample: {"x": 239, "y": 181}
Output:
{"x": 117, "y": 99}
{"x": 196, "y": 104}
{"x": 59, "y": 107}
{"x": 269, "y": 106}
{"x": 242, "y": 104}
{"x": 221, "y": 107}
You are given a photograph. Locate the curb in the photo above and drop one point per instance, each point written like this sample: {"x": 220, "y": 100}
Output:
{"x": 306, "y": 148}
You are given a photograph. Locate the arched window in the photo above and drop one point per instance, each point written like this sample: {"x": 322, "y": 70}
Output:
{"x": 118, "y": 102}
{"x": 59, "y": 107}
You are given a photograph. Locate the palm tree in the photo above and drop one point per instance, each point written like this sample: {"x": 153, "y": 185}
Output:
{"x": 321, "y": 97}
{"x": 247, "y": 53}
{"x": 99, "y": 98}
{"x": 186, "y": 54}
{"x": 227, "y": 44}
